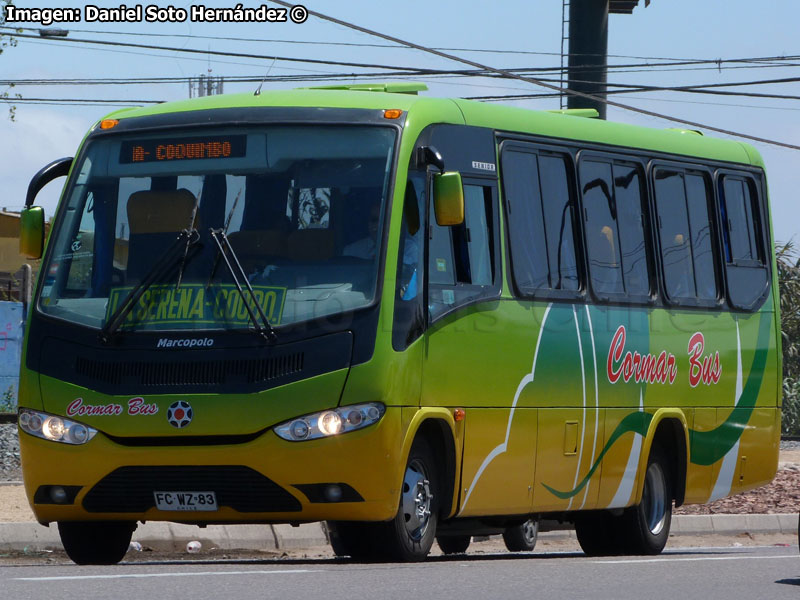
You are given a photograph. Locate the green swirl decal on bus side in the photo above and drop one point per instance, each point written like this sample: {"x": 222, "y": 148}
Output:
{"x": 706, "y": 447}
{"x": 637, "y": 422}
{"x": 710, "y": 446}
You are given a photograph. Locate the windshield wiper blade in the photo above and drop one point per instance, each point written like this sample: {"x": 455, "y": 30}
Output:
{"x": 264, "y": 328}
{"x": 179, "y": 248}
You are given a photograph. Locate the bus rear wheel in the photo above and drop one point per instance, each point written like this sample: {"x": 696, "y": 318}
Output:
{"x": 409, "y": 536}
{"x": 646, "y": 525}
{"x": 598, "y": 533}
{"x": 96, "y": 542}
{"x": 522, "y": 538}
{"x": 454, "y": 544}
{"x": 351, "y": 539}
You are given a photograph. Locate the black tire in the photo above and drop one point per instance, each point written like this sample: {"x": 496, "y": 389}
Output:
{"x": 410, "y": 535}
{"x": 351, "y": 539}
{"x": 645, "y": 527}
{"x": 454, "y": 544}
{"x": 598, "y": 533}
{"x": 522, "y": 538}
{"x": 96, "y": 542}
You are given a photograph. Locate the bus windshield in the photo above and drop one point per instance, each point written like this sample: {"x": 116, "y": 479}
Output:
{"x": 302, "y": 208}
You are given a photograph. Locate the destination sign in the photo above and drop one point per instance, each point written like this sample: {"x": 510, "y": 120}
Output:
{"x": 174, "y": 149}
{"x": 195, "y": 304}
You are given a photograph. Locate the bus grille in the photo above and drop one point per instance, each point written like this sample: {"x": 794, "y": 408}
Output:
{"x": 130, "y": 489}
{"x": 216, "y": 372}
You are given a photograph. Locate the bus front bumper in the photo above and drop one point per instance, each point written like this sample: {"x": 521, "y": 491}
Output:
{"x": 353, "y": 476}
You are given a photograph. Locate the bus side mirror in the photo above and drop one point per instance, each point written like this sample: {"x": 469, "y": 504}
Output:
{"x": 31, "y": 232}
{"x": 448, "y": 199}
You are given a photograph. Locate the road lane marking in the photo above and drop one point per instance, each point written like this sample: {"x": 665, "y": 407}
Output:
{"x": 689, "y": 559}
{"x": 146, "y": 575}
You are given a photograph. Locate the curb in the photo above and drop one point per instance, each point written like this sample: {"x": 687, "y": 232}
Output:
{"x": 734, "y": 524}
{"x": 173, "y": 537}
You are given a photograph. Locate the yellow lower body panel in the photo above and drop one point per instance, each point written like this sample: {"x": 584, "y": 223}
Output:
{"x": 368, "y": 461}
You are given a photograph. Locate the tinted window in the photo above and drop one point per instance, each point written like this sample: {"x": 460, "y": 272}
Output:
{"x": 741, "y": 231}
{"x": 540, "y": 216}
{"x": 477, "y": 238}
{"x": 673, "y": 219}
{"x": 602, "y": 239}
{"x": 628, "y": 195}
{"x": 525, "y": 221}
{"x": 558, "y": 209}
{"x": 743, "y": 241}
{"x": 409, "y": 316}
{"x": 461, "y": 258}
{"x": 697, "y": 200}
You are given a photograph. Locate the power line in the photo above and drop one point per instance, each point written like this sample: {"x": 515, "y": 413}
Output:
{"x": 693, "y": 89}
{"x": 704, "y": 88}
{"x": 344, "y": 44}
{"x": 155, "y": 55}
{"x": 541, "y": 83}
{"x": 17, "y": 100}
{"x": 217, "y": 52}
{"x": 717, "y": 63}
{"x": 675, "y": 101}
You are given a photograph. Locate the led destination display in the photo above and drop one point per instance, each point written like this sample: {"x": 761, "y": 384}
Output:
{"x": 173, "y": 149}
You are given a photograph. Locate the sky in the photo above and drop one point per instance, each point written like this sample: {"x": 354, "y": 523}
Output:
{"x": 519, "y": 33}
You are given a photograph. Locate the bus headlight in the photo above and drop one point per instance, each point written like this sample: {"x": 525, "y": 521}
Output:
{"x": 326, "y": 423}
{"x": 54, "y": 428}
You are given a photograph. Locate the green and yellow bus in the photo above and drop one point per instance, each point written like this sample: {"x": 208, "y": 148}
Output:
{"x": 414, "y": 318}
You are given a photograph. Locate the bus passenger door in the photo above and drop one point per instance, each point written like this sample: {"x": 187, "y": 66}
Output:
{"x": 466, "y": 357}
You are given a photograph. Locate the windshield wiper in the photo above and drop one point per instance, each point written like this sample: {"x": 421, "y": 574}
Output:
{"x": 179, "y": 248}
{"x": 263, "y": 328}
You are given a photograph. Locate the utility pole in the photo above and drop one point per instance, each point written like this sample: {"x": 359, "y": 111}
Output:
{"x": 205, "y": 85}
{"x": 588, "y": 47}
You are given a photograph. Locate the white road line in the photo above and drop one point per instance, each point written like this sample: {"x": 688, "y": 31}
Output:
{"x": 627, "y": 561}
{"x": 147, "y": 575}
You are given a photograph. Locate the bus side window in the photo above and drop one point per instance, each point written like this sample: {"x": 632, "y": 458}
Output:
{"x": 740, "y": 230}
{"x": 461, "y": 259}
{"x": 630, "y": 217}
{"x": 673, "y": 228}
{"x": 540, "y": 212}
{"x": 744, "y": 242}
{"x": 702, "y": 236}
{"x": 687, "y": 237}
{"x": 602, "y": 236}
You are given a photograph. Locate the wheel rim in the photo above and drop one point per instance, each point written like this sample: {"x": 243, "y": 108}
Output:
{"x": 654, "y": 499}
{"x": 529, "y": 531}
{"x": 417, "y": 498}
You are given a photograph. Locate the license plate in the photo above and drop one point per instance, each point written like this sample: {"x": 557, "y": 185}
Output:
{"x": 186, "y": 501}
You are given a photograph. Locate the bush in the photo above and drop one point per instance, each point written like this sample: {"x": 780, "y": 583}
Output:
{"x": 7, "y": 401}
{"x": 790, "y": 424}
{"x": 789, "y": 289}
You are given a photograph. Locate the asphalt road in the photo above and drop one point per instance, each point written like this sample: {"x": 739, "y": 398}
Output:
{"x": 707, "y": 573}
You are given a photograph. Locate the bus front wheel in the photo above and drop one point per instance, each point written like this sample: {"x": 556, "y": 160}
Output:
{"x": 409, "y": 536}
{"x": 96, "y": 542}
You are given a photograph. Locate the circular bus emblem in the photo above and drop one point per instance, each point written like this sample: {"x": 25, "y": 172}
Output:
{"x": 179, "y": 414}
